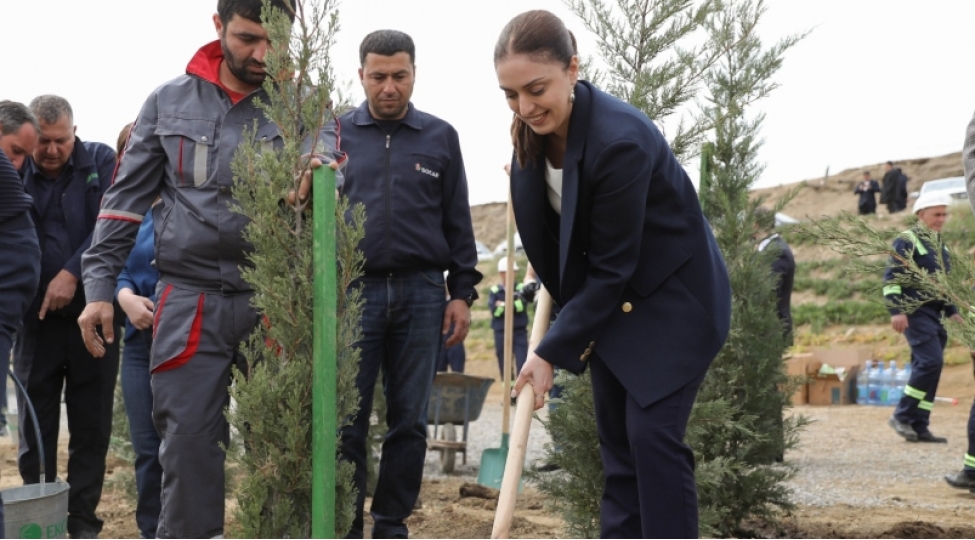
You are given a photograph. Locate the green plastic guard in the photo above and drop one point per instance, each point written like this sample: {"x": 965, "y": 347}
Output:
{"x": 323, "y": 368}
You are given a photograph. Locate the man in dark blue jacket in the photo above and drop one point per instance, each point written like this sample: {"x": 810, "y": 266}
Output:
{"x": 497, "y": 307}
{"x": 66, "y": 177}
{"x": 20, "y": 256}
{"x": 409, "y": 173}
{"x": 867, "y": 190}
{"x": 922, "y": 326}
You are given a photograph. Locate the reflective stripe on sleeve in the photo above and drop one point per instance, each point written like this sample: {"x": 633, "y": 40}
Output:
{"x": 892, "y": 289}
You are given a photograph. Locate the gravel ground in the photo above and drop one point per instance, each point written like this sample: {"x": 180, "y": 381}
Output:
{"x": 847, "y": 456}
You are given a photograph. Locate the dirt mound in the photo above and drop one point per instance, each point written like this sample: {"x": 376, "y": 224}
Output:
{"x": 489, "y": 223}
{"x": 920, "y": 529}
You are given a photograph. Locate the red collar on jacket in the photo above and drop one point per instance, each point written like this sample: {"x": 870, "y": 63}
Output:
{"x": 206, "y": 65}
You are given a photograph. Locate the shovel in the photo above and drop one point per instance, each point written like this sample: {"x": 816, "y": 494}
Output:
{"x": 519, "y": 435}
{"x": 493, "y": 459}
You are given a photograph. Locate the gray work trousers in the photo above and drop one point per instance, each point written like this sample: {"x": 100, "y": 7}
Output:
{"x": 197, "y": 336}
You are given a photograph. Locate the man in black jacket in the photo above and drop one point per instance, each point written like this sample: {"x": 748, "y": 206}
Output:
{"x": 894, "y": 193}
{"x": 783, "y": 267}
{"x": 409, "y": 175}
{"x": 867, "y": 190}
{"x": 20, "y": 255}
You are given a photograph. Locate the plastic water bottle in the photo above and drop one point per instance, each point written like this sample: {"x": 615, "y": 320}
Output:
{"x": 874, "y": 384}
{"x": 862, "y": 378}
{"x": 894, "y": 391}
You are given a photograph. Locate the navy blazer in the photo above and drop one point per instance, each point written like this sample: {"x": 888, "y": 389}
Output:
{"x": 632, "y": 260}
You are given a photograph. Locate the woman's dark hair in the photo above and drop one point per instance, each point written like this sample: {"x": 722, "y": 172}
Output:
{"x": 543, "y": 37}
{"x": 123, "y": 139}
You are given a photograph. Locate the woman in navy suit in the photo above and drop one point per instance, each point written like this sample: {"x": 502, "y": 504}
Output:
{"x": 613, "y": 227}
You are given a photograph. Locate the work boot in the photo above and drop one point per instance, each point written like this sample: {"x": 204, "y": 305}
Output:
{"x": 961, "y": 480}
{"x": 903, "y": 429}
{"x": 927, "y": 436}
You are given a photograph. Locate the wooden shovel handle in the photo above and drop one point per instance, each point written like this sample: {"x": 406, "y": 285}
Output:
{"x": 516, "y": 460}
{"x": 519, "y": 434}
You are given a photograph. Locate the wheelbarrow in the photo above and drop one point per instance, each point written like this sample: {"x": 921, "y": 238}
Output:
{"x": 456, "y": 399}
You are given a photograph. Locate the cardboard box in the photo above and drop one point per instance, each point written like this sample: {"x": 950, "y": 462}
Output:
{"x": 838, "y": 388}
{"x": 796, "y": 365}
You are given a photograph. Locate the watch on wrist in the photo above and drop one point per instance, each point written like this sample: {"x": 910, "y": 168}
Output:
{"x": 470, "y": 298}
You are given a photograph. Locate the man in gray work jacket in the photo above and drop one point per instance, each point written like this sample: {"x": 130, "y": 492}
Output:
{"x": 180, "y": 149}
{"x": 408, "y": 172}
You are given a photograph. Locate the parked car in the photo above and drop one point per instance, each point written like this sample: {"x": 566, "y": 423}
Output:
{"x": 483, "y": 253}
{"x": 502, "y": 248}
{"x": 954, "y": 187}
{"x": 782, "y": 219}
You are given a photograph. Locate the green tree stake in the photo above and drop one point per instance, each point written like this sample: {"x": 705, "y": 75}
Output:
{"x": 323, "y": 367}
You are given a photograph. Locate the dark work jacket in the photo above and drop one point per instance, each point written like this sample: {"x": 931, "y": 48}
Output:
{"x": 412, "y": 183}
{"x": 784, "y": 269}
{"x": 910, "y": 244}
{"x": 497, "y": 293}
{"x": 93, "y": 165}
{"x": 891, "y": 183}
{"x": 867, "y": 193}
{"x": 632, "y": 260}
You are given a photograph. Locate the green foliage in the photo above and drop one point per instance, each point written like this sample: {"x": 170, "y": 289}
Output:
{"x": 273, "y": 400}
{"x": 737, "y": 428}
{"x": 870, "y": 251}
{"x": 651, "y": 61}
{"x": 841, "y": 312}
{"x": 575, "y": 491}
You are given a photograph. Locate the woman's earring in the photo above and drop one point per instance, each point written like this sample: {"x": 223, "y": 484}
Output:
{"x": 572, "y": 97}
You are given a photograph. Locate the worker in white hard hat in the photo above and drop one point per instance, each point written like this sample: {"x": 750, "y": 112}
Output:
{"x": 923, "y": 326}
{"x": 521, "y": 299}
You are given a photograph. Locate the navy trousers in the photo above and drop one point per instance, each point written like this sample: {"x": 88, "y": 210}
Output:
{"x": 970, "y": 456}
{"x": 20, "y": 269}
{"x": 401, "y": 323}
{"x": 927, "y": 338}
{"x": 137, "y": 395}
{"x": 520, "y": 349}
{"x": 49, "y": 356}
{"x": 650, "y": 490}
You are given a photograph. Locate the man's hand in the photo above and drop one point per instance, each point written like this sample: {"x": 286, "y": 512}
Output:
{"x": 59, "y": 292}
{"x": 957, "y": 318}
{"x": 304, "y": 186}
{"x": 137, "y": 308}
{"x": 97, "y": 314}
{"x": 458, "y": 315}
{"x": 540, "y": 374}
{"x": 899, "y": 323}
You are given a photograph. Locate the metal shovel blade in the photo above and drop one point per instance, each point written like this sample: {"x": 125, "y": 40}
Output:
{"x": 492, "y": 464}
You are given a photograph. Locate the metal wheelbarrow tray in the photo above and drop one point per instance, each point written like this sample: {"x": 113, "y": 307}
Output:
{"x": 456, "y": 399}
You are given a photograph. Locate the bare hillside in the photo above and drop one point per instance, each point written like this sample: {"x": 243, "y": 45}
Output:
{"x": 835, "y": 194}
{"x": 816, "y": 197}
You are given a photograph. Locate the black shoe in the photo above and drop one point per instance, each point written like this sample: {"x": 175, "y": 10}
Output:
{"x": 549, "y": 467}
{"x": 902, "y": 429}
{"x": 961, "y": 480}
{"x": 927, "y": 436}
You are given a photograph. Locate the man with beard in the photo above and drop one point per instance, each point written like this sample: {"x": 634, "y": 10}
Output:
{"x": 181, "y": 150}
{"x": 409, "y": 175}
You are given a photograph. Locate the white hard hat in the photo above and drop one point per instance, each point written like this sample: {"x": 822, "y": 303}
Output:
{"x": 503, "y": 264}
{"x": 927, "y": 200}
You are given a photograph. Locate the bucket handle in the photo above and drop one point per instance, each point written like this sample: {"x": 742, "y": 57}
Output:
{"x": 33, "y": 417}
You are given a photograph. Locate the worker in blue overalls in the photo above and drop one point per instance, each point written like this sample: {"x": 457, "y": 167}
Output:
{"x": 521, "y": 298}
{"x": 923, "y": 327}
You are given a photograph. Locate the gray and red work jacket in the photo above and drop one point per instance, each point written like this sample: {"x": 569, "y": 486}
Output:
{"x": 181, "y": 148}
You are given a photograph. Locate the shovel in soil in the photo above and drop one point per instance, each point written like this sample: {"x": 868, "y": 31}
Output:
{"x": 493, "y": 459}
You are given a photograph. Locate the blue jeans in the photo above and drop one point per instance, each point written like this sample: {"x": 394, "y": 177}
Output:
{"x": 401, "y": 323}
{"x": 137, "y": 394}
